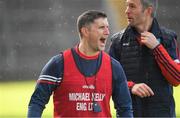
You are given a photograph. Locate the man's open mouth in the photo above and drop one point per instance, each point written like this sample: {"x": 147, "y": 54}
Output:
{"x": 103, "y": 40}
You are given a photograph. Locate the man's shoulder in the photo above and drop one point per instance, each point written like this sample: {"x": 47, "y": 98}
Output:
{"x": 117, "y": 35}
{"x": 168, "y": 33}
{"x": 56, "y": 59}
{"x": 115, "y": 62}
{"x": 54, "y": 62}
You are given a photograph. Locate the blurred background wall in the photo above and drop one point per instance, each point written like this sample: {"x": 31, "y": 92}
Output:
{"x": 32, "y": 31}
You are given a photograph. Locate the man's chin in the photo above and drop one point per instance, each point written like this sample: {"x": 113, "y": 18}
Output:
{"x": 102, "y": 48}
{"x": 130, "y": 23}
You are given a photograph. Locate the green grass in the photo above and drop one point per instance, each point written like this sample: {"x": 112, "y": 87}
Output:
{"x": 15, "y": 96}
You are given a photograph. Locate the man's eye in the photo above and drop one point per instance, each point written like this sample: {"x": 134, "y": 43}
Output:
{"x": 102, "y": 27}
{"x": 132, "y": 6}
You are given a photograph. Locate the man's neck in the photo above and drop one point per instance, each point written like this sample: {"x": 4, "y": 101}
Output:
{"x": 86, "y": 51}
{"x": 145, "y": 26}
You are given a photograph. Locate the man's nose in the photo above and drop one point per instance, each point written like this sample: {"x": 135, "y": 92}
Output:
{"x": 127, "y": 10}
{"x": 106, "y": 31}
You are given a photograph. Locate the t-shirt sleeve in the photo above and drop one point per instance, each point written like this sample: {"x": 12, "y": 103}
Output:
{"x": 120, "y": 94}
{"x": 47, "y": 82}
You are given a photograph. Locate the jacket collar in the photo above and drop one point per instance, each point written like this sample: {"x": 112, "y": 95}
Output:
{"x": 155, "y": 29}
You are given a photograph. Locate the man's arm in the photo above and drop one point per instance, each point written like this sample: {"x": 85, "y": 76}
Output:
{"x": 49, "y": 79}
{"x": 39, "y": 99}
{"x": 113, "y": 51}
{"x": 170, "y": 68}
{"x": 120, "y": 94}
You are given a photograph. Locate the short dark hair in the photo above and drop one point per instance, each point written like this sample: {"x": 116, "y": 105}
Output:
{"x": 88, "y": 17}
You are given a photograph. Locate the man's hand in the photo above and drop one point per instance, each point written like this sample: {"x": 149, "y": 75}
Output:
{"x": 149, "y": 40}
{"x": 142, "y": 90}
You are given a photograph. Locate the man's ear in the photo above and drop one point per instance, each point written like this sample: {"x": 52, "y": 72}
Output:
{"x": 85, "y": 31}
{"x": 150, "y": 10}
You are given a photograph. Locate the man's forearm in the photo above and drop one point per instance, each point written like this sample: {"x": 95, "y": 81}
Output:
{"x": 34, "y": 111}
{"x": 169, "y": 68}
